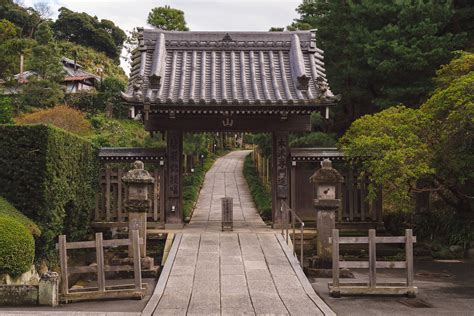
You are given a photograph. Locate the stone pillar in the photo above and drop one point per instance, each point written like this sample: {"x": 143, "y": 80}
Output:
{"x": 280, "y": 174}
{"x": 174, "y": 180}
{"x": 48, "y": 289}
{"x": 138, "y": 203}
{"x": 327, "y": 185}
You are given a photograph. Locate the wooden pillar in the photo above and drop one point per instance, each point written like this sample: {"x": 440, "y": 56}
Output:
{"x": 174, "y": 179}
{"x": 280, "y": 174}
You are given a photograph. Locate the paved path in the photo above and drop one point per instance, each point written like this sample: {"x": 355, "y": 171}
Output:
{"x": 225, "y": 179}
{"x": 250, "y": 271}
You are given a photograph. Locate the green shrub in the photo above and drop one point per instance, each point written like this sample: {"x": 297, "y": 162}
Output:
{"x": 192, "y": 185}
{"x": 17, "y": 247}
{"x": 51, "y": 176}
{"x": 6, "y": 209}
{"x": 261, "y": 197}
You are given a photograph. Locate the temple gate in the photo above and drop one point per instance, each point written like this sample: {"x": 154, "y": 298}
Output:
{"x": 267, "y": 82}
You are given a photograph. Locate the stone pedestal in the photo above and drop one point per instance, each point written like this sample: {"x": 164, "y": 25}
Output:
{"x": 137, "y": 221}
{"x": 48, "y": 289}
{"x": 326, "y": 222}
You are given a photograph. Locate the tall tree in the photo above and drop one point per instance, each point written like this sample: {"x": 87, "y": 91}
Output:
{"x": 380, "y": 53}
{"x": 433, "y": 143}
{"x": 168, "y": 19}
{"x": 83, "y": 29}
{"x": 45, "y": 59}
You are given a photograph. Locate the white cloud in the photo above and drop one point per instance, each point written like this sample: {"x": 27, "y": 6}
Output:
{"x": 201, "y": 15}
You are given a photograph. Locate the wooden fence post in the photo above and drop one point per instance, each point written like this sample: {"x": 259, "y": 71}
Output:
{"x": 372, "y": 259}
{"x": 63, "y": 262}
{"x": 335, "y": 257}
{"x": 99, "y": 249}
{"x": 107, "y": 194}
{"x": 409, "y": 256}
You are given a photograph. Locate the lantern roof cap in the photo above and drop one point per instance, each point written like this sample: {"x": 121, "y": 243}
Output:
{"x": 138, "y": 174}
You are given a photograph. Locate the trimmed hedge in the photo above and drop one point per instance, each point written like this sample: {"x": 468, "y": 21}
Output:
{"x": 50, "y": 175}
{"x": 17, "y": 246}
{"x": 6, "y": 209}
{"x": 261, "y": 197}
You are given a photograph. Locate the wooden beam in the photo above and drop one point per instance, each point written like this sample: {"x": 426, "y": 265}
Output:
{"x": 230, "y": 123}
{"x": 99, "y": 250}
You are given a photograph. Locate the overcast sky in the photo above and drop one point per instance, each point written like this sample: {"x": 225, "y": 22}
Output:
{"x": 201, "y": 15}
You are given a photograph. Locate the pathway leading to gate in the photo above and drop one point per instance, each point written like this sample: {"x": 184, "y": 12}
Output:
{"x": 250, "y": 271}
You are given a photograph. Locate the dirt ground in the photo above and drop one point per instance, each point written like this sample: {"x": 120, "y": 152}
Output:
{"x": 447, "y": 288}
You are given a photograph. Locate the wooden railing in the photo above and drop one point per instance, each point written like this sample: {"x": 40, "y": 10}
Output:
{"x": 337, "y": 288}
{"x": 101, "y": 291}
{"x": 288, "y": 220}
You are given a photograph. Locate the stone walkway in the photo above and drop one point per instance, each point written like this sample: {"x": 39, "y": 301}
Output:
{"x": 250, "y": 271}
{"x": 225, "y": 179}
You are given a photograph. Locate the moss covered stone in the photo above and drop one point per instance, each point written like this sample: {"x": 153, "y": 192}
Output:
{"x": 17, "y": 246}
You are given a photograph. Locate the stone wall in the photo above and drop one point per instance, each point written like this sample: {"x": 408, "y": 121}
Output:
{"x": 15, "y": 295}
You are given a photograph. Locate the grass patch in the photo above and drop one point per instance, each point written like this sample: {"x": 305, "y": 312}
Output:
{"x": 260, "y": 195}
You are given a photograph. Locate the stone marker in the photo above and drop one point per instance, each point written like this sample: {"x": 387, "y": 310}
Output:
{"x": 48, "y": 289}
{"x": 327, "y": 185}
{"x": 138, "y": 202}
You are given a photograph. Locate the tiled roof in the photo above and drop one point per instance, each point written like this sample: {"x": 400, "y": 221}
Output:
{"x": 228, "y": 68}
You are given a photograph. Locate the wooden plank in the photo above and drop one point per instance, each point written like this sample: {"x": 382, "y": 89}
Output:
{"x": 161, "y": 284}
{"x": 379, "y": 290}
{"x": 137, "y": 268}
{"x": 99, "y": 249}
{"x": 325, "y": 309}
{"x": 166, "y": 250}
{"x": 155, "y": 196}
{"x": 93, "y": 269}
{"x": 63, "y": 263}
{"x": 213, "y": 123}
{"x": 335, "y": 257}
{"x": 350, "y": 188}
{"x": 119, "y": 195}
{"x": 97, "y": 295}
{"x": 107, "y": 288}
{"x": 378, "y": 264}
{"x": 372, "y": 259}
{"x": 162, "y": 195}
{"x": 96, "y": 209}
{"x": 378, "y": 239}
{"x": 363, "y": 198}
{"x": 409, "y": 256}
{"x": 107, "y": 194}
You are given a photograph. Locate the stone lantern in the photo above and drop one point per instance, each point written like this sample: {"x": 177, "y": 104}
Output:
{"x": 137, "y": 204}
{"x": 327, "y": 188}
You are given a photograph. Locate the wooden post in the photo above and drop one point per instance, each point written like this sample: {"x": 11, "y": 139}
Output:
{"x": 335, "y": 257}
{"x": 137, "y": 269}
{"x": 156, "y": 187}
{"x": 409, "y": 256}
{"x": 293, "y": 186}
{"x": 119, "y": 195}
{"x": 350, "y": 190}
{"x": 280, "y": 174}
{"x": 174, "y": 205}
{"x": 372, "y": 259}
{"x": 99, "y": 249}
{"x": 97, "y": 214}
{"x": 162, "y": 195}
{"x": 63, "y": 262}
{"x": 107, "y": 194}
